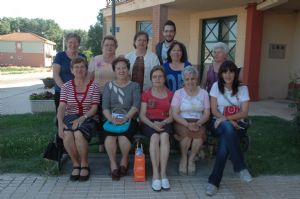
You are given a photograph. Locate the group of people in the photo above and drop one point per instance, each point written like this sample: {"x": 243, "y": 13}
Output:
{"x": 159, "y": 94}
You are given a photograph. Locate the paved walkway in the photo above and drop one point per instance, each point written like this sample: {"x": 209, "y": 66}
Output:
{"x": 15, "y": 91}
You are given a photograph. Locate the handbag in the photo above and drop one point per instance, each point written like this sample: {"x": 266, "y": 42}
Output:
{"x": 113, "y": 128}
{"x": 139, "y": 169}
{"x": 230, "y": 110}
{"x": 52, "y": 152}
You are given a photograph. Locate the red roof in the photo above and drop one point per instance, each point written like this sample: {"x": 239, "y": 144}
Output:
{"x": 24, "y": 36}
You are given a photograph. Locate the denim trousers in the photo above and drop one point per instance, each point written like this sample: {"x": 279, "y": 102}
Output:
{"x": 229, "y": 144}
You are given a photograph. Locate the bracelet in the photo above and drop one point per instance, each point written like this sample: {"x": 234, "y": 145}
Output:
{"x": 85, "y": 116}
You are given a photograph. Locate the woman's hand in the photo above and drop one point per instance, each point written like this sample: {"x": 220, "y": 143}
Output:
{"x": 158, "y": 126}
{"x": 219, "y": 121}
{"x": 193, "y": 126}
{"x": 77, "y": 122}
{"x": 61, "y": 128}
{"x": 235, "y": 124}
{"x": 119, "y": 121}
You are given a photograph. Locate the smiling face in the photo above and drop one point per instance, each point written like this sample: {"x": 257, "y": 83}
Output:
{"x": 228, "y": 77}
{"x": 169, "y": 33}
{"x": 158, "y": 78}
{"x": 72, "y": 44}
{"x": 79, "y": 70}
{"x": 176, "y": 53}
{"x": 121, "y": 71}
{"x": 141, "y": 42}
{"x": 190, "y": 80}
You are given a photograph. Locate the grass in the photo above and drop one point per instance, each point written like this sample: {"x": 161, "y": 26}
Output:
{"x": 7, "y": 70}
{"x": 274, "y": 145}
{"x": 23, "y": 139}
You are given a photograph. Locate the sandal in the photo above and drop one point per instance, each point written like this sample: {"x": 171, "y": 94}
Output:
{"x": 122, "y": 171}
{"x": 75, "y": 177}
{"x": 85, "y": 178}
{"x": 115, "y": 175}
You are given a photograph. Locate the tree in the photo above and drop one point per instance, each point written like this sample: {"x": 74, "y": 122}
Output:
{"x": 95, "y": 35}
{"x": 4, "y": 26}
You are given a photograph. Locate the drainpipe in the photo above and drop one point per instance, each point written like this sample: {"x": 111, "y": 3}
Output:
{"x": 113, "y": 23}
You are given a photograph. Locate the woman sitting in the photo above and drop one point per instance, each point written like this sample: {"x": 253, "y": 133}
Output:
{"x": 229, "y": 104}
{"x": 79, "y": 101}
{"x": 121, "y": 94}
{"x": 156, "y": 124}
{"x": 190, "y": 110}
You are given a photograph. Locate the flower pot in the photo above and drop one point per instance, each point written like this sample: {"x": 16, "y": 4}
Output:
{"x": 39, "y": 106}
{"x": 48, "y": 82}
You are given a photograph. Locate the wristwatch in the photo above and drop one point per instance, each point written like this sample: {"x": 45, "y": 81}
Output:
{"x": 85, "y": 116}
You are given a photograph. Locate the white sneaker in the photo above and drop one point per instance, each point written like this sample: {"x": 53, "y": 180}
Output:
{"x": 165, "y": 184}
{"x": 245, "y": 176}
{"x": 156, "y": 185}
{"x": 211, "y": 190}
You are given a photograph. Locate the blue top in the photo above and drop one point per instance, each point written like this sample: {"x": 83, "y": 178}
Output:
{"x": 174, "y": 78}
{"x": 64, "y": 61}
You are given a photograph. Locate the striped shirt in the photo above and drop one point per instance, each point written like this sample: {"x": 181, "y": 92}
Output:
{"x": 77, "y": 102}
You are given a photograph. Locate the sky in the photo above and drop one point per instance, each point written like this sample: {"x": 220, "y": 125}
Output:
{"x": 69, "y": 14}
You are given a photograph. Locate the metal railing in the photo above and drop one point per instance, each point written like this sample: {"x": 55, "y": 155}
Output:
{"x": 117, "y": 2}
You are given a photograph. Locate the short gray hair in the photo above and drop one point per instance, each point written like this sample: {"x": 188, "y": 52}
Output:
{"x": 190, "y": 69}
{"x": 222, "y": 46}
{"x": 73, "y": 35}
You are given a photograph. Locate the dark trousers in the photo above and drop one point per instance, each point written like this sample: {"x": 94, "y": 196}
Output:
{"x": 229, "y": 144}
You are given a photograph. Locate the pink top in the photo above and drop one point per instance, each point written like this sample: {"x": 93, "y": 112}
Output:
{"x": 157, "y": 108}
{"x": 79, "y": 103}
{"x": 191, "y": 107}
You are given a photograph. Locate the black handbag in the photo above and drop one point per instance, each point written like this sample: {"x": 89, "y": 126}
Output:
{"x": 54, "y": 150}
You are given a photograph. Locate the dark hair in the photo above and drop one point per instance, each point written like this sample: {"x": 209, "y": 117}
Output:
{"x": 120, "y": 59}
{"x": 109, "y": 37}
{"x": 229, "y": 66}
{"x": 170, "y": 23}
{"x": 73, "y": 35}
{"x": 77, "y": 60}
{"x": 139, "y": 34}
{"x": 181, "y": 46}
{"x": 157, "y": 68}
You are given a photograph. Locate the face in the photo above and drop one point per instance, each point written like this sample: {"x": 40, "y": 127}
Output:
{"x": 79, "y": 70}
{"x": 190, "y": 80}
{"x": 72, "y": 44}
{"x": 141, "y": 42}
{"x": 109, "y": 47}
{"x": 219, "y": 55}
{"x": 158, "y": 78}
{"x": 228, "y": 77}
{"x": 121, "y": 70}
{"x": 169, "y": 33}
{"x": 176, "y": 53}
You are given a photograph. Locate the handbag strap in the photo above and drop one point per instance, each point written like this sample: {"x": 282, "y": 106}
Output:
{"x": 228, "y": 100}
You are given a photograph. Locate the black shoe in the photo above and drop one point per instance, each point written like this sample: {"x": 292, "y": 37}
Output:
{"x": 85, "y": 178}
{"x": 75, "y": 177}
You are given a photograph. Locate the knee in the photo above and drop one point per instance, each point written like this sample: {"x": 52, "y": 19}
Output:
{"x": 78, "y": 135}
{"x": 164, "y": 138}
{"x": 154, "y": 139}
{"x": 227, "y": 128}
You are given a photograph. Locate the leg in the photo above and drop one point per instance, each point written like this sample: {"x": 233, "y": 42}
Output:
{"x": 82, "y": 148}
{"x": 111, "y": 149}
{"x": 125, "y": 146}
{"x": 164, "y": 153}
{"x": 196, "y": 144}
{"x": 71, "y": 149}
{"x": 154, "y": 154}
{"x": 184, "y": 146}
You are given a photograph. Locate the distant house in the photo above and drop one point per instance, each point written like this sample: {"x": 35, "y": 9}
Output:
{"x": 26, "y": 49}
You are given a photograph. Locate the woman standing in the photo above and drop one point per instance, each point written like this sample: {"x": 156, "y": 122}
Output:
{"x": 229, "y": 105}
{"x": 121, "y": 94}
{"x": 156, "y": 120}
{"x": 100, "y": 70}
{"x": 176, "y": 62}
{"x": 79, "y": 101}
{"x": 141, "y": 60}
{"x": 190, "y": 110}
{"x": 61, "y": 63}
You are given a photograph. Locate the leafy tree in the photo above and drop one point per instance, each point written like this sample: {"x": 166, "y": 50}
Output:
{"x": 4, "y": 26}
{"x": 95, "y": 35}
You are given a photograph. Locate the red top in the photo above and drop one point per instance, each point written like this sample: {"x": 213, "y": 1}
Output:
{"x": 157, "y": 108}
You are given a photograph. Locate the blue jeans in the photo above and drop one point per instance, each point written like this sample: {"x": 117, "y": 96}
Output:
{"x": 229, "y": 144}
